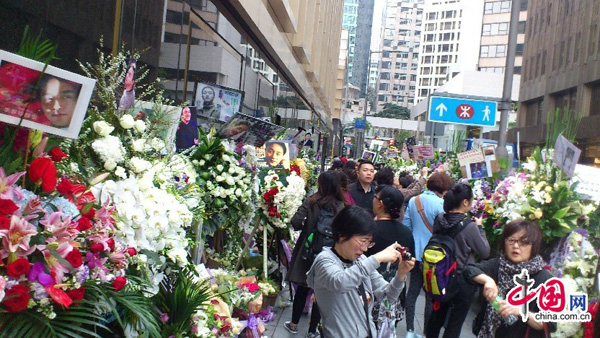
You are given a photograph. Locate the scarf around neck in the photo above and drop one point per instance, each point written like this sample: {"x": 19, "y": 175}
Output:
{"x": 492, "y": 320}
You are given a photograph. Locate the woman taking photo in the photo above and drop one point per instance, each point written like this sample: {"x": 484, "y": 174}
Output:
{"x": 346, "y": 282}
{"x": 470, "y": 240}
{"x": 327, "y": 202}
{"x": 387, "y": 204}
{"x": 521, "y": 241}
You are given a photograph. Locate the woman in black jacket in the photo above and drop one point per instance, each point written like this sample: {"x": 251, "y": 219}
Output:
{"x": 521, "y": 241}
{"x": 329, "y": 199}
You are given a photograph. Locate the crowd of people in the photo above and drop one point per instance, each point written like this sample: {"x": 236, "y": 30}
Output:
{"x": 364, "y": 237}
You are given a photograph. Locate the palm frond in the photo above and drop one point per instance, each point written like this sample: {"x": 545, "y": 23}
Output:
{"x": 181, "y": 297}
{"x": 35, "y": 49}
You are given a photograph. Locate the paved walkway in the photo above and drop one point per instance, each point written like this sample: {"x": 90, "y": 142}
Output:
{"x": 275, "y": 328}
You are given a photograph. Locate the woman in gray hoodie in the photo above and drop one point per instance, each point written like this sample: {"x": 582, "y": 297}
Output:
{"x": 346, "y": 282}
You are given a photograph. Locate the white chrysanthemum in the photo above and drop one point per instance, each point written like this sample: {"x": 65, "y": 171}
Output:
{"x": 109, "y": 147}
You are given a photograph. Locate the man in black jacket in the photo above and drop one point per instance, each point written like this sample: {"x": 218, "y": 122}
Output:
{"x": 363, "y": 190}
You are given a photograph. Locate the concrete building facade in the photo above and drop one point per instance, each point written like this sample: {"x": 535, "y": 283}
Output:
{"x": 362, "y": 46}
{"x": 561, "y": 70}
{"x": 349, "y": 22}
{"x": 400, "y": 53}
{"x": 450, "y": 41}
{"x": 494, "y": 36}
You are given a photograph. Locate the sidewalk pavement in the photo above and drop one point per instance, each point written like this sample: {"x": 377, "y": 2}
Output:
{"x": 276, "y": 329}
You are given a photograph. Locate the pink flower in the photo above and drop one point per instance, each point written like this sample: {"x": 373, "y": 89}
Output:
{"x": 96, "y": 265}
{"x": 61, "y": 227}
{"x": 16, "y": 238}
{"x": 6, "y": 182}
{"x": 57, "y": 268}
{"x": 118, "y": 258}
{"x": 164, "y": 317}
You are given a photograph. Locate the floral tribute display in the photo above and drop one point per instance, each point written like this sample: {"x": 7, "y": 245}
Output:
{"x": 539, "y": 193}
{"x": 280, "y": 200}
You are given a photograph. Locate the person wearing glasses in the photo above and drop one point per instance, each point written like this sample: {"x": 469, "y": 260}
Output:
{"x": 387, "y": 206}
{"x": 522, "y": 241}
{"x": 346, "y": 282}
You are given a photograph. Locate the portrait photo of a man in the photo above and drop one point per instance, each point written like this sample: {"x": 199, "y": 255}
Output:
{"x": 277, "y": 155}
{"x": 209, "y": 108}
{"x": 59, "y": 98}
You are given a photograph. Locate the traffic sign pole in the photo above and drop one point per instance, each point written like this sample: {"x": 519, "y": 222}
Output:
{"x": 501, "y": 152}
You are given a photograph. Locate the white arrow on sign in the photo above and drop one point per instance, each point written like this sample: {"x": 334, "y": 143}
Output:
{"x": 441, "y": 108}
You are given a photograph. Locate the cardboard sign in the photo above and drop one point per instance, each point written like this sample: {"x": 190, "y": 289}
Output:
{"x": 589, "y": 184}
{"x": 425, "y": 152}
{"x": 471, "y": 156}
{"x": 566, "y": 155}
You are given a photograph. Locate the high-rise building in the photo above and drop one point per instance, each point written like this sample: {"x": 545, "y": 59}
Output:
{"x": 349, "y": 22}
{"x": 561, "y": 70}
{"x": 400, "y": 53}
{"x": 494, "y": 36}
{"x": 359, "y": 40}
{"x": 450, "y": 40}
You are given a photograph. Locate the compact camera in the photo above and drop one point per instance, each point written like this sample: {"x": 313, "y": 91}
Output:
{"x": 406, "y": 255}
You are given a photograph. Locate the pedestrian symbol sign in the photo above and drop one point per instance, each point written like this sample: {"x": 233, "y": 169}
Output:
{"x": 462, "y": 111}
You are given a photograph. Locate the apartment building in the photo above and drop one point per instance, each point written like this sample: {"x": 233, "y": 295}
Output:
{"x": 494, "y": 36}
{"x": 561, "y": 70}
{"x": 398, "y": 62}
{"x": 450, "y": 41}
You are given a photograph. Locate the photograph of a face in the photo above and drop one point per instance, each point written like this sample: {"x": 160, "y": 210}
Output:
{"x": 276, "y": 156}
{"x": 187, "y": 130}
{"x": 249, "y": 130}
{"x": 368, "y": 155}
{"x": 216, "y": 102}
{"x": 54, "y": 102}
{"x": 566, "y": 155}
{"x": 478, "y": 170}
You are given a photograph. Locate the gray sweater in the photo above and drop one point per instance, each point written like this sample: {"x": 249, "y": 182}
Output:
{"x": 336, "y": 283}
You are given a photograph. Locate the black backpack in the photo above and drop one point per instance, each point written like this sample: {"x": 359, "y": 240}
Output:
{"x": 322, "y": 235}
{"x": 440, "y": 264}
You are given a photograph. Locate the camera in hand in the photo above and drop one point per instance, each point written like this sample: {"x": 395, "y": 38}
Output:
{"x": 406, "y": 255}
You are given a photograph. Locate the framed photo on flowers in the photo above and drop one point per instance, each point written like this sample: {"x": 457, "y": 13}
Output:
{"x": 52, "y": 100}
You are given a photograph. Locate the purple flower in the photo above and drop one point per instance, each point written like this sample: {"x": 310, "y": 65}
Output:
{"x": 194, "y": 328}
{"x": 164, "y": 317}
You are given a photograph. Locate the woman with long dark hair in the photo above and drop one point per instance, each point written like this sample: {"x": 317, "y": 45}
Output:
{"x": 387, "y": 204}
{"x": 328, "y": 201}
{"x": 470, "y": 240}
{"x": 347, "y": 283}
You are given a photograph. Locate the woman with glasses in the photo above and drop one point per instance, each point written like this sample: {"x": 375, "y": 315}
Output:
{"x": 320, "y": 207}
{"x": 521, "y": 242}
{"x": 387, "y": 204}
{"x": 346, "y": 282}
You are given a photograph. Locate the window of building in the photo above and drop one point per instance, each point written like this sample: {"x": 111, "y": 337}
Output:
{"x": 386, "y": 65}
{"x": 444, "y": 59}
{"x": 497, "y": 7}
{"x": 521, "y": 28}
{"x": 382, "y": 98}
{"x": 413, "y": 77}
{"x": 402, "y": 55}
{"x": 429, "y": 37}
{"x": 500, "y": 28}
{"x": 400, "y": 76}
{"x": 448, "y": 25}
{"x": 492, "y": 69}
{"x": 432, "y": 16}
{"x": 493, "y": 51}
{"x": 520, "y": 49}
{"x": 423, "y": 92}
{"x": 411, "y": 87}
{"x": 442, "y": 70}
{"x": 387, "y": 43}
{"x": 524, "y": 4}
{"x": 275, "y": 78}
{"x": 517, "y": 70}
{"x": 427, "y": 59}
{"x": 385, "y": 76}
{"x": 430, "y": 27}
{"x": 384, "y": 86}
{"x": 404, "y": 66}
{"x": 595, "y": 99}
{"x": 414, "y": 66}
{"x": 428, "y": 48}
